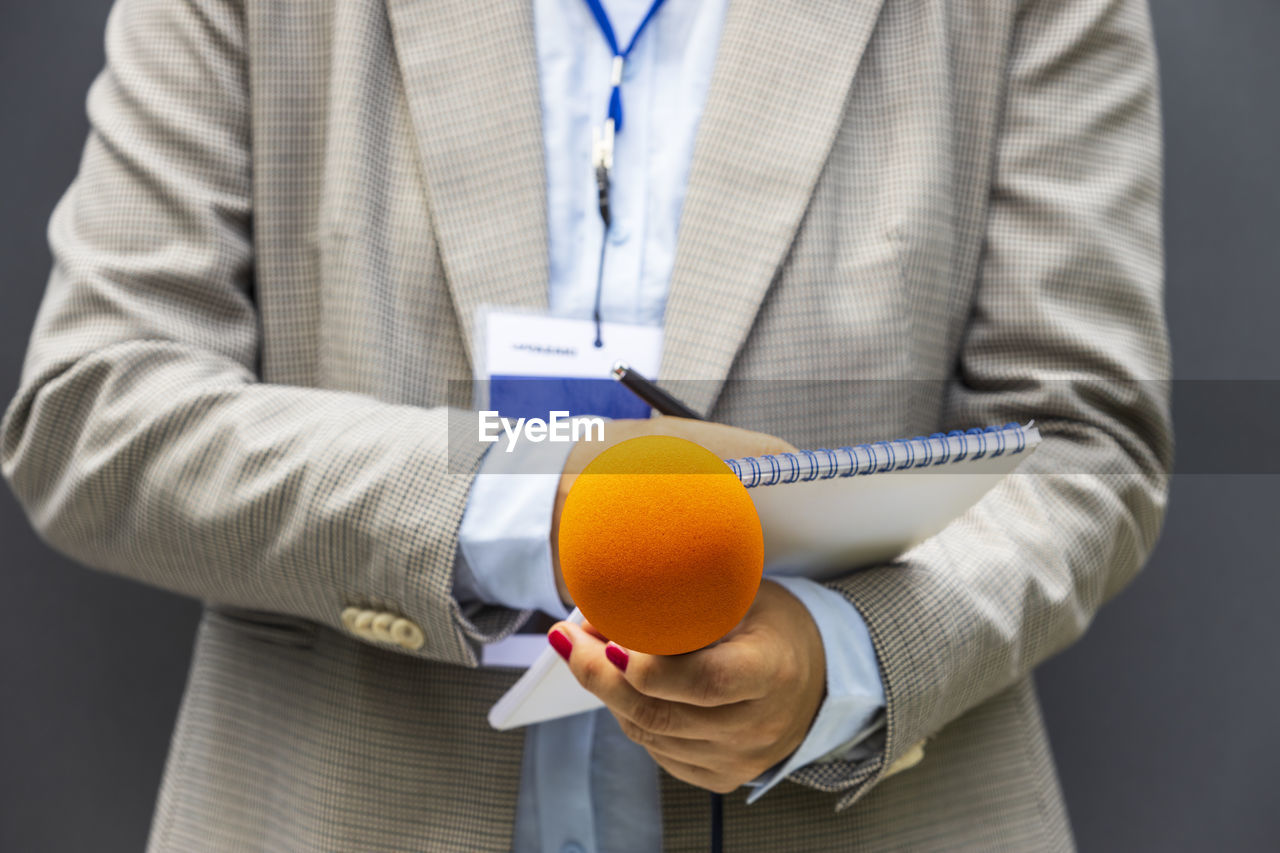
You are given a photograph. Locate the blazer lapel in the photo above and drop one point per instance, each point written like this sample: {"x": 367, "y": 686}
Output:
{"x": 471, "y": 78}
{"x": 781, "y": 80}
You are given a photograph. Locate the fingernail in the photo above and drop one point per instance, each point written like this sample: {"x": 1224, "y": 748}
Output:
{"x": 560, "y": 643}
{"x": 617, "y": 656}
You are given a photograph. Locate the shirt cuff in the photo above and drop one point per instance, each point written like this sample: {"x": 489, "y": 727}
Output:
{"x": 504, "y": 543}
{"x": 855, "y": 693}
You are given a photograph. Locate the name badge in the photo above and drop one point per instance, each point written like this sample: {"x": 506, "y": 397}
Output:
{"x": 536, "y": 364}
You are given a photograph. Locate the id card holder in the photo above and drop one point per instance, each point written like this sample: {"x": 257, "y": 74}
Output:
{"x": 534, "y": 364}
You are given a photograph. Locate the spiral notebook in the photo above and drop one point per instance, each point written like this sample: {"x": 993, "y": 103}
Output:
{"x": 825, "y": 513}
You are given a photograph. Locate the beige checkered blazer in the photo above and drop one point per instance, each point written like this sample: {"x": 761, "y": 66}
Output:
{"x": 256, "y": 336}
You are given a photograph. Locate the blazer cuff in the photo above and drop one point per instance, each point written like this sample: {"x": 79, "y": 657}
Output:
{"x": 850, "y": 712}
{"x": 504, "y": 543}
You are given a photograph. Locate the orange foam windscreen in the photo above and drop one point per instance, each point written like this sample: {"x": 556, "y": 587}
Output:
{"x": 660, "y": 545}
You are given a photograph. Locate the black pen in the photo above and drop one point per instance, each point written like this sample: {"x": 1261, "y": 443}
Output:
{"x": 660, "y": 400}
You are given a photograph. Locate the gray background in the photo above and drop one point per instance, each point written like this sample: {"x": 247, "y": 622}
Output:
{"x": 1163, "y": 718}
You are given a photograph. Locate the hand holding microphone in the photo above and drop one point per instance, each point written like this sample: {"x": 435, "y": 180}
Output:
{"x": 717, "y": 675}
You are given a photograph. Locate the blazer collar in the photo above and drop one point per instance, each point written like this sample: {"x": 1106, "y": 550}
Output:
{"x": 779, "y": 88}
{"x": 781, "y": 79}
{"x": 470, "y": 73}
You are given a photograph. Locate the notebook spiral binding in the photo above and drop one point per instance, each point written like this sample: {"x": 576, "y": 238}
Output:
{"x": 879, "y": 457}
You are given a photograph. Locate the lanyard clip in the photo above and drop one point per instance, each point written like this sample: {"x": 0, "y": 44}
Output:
{"x": 602, "y": 162}
{"x": 602, "y": 146}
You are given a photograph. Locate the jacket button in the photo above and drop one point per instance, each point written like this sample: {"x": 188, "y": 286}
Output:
{"x": 363, "y": 625}
{"x": 349, "y": 618}
{"x": 381, "y": 626}
{"x": 407, "y": 634}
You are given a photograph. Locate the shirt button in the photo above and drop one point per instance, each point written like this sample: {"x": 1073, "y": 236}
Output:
{"x": 619, "y": 234}
{"x": 572, "y": 847}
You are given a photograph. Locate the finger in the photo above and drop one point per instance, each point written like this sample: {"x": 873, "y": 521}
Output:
{"x": 702, "y": 753}
{"x": 737, "y": 670}
{"x": 602, "y": 678}
{"x": 694, "y": 775}
{"x": 716, "y": 756}
{"x": 593, "y": 631}
{"x": 727, "y": 441}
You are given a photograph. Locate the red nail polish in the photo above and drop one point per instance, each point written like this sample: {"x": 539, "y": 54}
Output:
{"x": 617, "y": 656}
{"x": 562, "y": 644}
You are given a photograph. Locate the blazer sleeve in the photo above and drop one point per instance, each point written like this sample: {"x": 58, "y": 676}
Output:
{"x": 1067, "y": 327}
{"x": 141, "y": 441}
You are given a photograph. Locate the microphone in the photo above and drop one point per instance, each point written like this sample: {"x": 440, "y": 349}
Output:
{"x": 660, "y": 545}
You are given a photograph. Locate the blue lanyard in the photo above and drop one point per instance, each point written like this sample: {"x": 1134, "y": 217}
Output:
{"x": 619, "y": 56}
{"x": 602, "y": 144}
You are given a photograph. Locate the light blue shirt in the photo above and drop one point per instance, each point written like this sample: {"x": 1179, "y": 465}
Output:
{"x": 584, "y": 786}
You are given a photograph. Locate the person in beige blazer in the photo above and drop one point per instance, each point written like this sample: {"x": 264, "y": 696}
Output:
{"x": 255, "y": 343}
